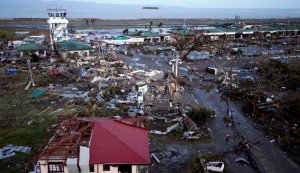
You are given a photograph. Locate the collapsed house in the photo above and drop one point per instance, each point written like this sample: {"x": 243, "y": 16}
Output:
{"x": 96, "y": 146}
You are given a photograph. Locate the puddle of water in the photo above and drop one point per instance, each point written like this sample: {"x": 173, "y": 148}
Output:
{"x": 140, "y": 65}
{"x": 158, "y": 63}
{"x": 136, "y": 59}
{"x": 184, "y": 69}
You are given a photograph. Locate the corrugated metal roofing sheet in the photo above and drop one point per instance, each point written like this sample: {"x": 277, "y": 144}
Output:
{"x": 38, "y": 92}
{"x": 32, "y": 47}
{"x": 185, "y": 32}
{"x": 73, "y": 45}
{"x": 150, "y": 34}
{"x": 120, "y": 38}
{"x": 114, "y": 142}
{"x": 133, "y": 33}
{"x": 254, "y": 30}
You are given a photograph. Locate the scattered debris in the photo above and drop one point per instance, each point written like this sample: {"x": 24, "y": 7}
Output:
{"x": 37, "y": 93}
{"x": 215, "y": 166}
{"x": 154, "y": 156}
{"x": 242, "y": 160}
{"x": 9, "y": 150}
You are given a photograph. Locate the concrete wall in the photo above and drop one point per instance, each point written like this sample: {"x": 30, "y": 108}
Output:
{"x": 38, "y": 53}
{"x": 114, "y": 169}
{"x": 98, "y": 168}
{"x": 44, "y": 166}
{"x": 131, "y": 40}
{"x": 81, "y": 53}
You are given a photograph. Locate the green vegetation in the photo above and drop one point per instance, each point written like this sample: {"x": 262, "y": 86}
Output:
{"x": 274, "y": 74}
{"x": 8, "y": 33}
{"x": 200, "y": 114}
{"x": 109, "y": 93}
{"x": 279, "y": 118}
{"x": 194, "y": 165}
{"x": 21, "y": 124}
{"x": 24, "y": 121}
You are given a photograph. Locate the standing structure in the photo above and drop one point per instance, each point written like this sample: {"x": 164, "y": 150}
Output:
{"x": 96, "y": 146}
{"x": 31, "y": 82}
{"x": 58, "y": 25}
{"x": 175, "y": 63}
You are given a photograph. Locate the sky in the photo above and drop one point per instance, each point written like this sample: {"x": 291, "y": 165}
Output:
{"x": 132, "y": 9}
{"x": 277, "y": 4}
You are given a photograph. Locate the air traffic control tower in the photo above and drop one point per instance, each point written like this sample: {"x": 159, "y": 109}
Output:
{"x": 58, "y": 25}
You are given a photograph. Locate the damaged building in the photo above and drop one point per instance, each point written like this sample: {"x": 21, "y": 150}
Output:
{"x": 96, "y": 146}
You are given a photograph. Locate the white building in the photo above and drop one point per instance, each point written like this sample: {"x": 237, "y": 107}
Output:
{"x": 58, "y": 25}
{"x": 39, "y": 39}
{"x": 122, "y": 40}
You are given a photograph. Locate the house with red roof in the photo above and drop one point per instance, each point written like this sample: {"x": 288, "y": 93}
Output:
{"x": 96, "y": 146}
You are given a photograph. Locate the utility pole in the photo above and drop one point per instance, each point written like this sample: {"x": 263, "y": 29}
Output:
{"x": 174, "y": 63}
{"x": 102, "y": 52}
{"x": 125, "y": 49}
{"x": 173, "y": 67}
{"x": 298, "y": 42}
{"x": 176, "y": 66}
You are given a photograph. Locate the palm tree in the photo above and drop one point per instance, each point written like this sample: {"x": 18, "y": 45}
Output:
{"x": 125, "y": 31}
{"x": 160, "y": 25}
{"x": 86, "y": 22}
{"x": 93, "y": 21}
{"x": 150, "y": 26}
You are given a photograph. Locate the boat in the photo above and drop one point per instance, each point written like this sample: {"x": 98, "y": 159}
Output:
{"x": 150, "y": 8}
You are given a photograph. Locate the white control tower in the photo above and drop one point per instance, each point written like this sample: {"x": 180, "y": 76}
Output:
{"x": 58, "y": 25}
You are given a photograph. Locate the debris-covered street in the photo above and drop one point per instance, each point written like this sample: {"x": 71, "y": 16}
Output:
{"x": 167, "y": 97}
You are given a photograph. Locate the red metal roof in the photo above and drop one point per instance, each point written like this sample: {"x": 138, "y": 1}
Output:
{"x": 114, "y": 142}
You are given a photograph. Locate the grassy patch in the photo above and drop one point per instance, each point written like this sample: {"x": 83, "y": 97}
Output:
{"x": 15, "y": 115}
{"x": 23, "y": 121}
{"x": 8, "y": 33}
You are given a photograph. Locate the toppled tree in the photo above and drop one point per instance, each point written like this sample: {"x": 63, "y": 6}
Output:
{"x": 194, "y": 165}
{"x": 200, "y": 114}
{"x": 109, "y": 93}
{"x": 275, "y": 74}
{"x": 187, "y": 41}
